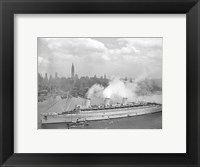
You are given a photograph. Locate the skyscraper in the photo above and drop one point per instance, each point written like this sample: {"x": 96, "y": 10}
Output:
{"x": 72, "y": 71}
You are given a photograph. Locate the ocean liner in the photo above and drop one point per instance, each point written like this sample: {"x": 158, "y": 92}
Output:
{"x": 87, "y": 112}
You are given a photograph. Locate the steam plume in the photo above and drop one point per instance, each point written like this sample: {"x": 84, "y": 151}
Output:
{"x": 95, "y": 91}
{"x": 145, "y": 89}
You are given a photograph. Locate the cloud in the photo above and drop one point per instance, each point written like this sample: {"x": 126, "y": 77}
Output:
{"x": 125, "y": 50}
{"x": 142, "y": 42}
{"x": 42, "y": 60}
{"x": 75, "y": 46}
{"x": 126, "y": 57}
{"x": 148, "y": 47}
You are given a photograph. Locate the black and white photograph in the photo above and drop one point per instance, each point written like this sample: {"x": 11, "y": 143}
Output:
{"x": 99, "y": 82}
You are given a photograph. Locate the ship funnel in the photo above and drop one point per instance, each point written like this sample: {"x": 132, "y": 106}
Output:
{"x": 124, "y": 101}
{"x": 87, "y": 103}
{"x": 107, "y": 101}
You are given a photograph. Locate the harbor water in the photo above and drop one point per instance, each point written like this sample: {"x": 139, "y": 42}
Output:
{"x": 147, "y": 121}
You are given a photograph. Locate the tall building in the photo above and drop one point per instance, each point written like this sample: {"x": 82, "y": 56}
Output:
{"x": 72, "y": 71}
{"x": 46, "y": 78}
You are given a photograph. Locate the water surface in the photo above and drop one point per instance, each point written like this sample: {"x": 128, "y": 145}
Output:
{"x": 147, "y": 121}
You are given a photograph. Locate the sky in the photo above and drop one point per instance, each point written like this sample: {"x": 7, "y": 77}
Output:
{"x": 115, "y": 57}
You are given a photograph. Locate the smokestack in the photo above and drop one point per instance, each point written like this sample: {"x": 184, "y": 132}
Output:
{"x": 107, "y": 101}
{"x": 124, "y": 101}
{"x": 87, "y": 103}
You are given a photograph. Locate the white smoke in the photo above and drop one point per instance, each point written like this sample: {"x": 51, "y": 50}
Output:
{"x": 95, "y": 91}
{"x": 118, "y": 89}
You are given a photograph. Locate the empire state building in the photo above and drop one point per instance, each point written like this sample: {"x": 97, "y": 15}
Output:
{"x": 72, "y": 71}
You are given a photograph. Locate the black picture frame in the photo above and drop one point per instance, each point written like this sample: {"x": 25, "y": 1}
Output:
{"x": 10, "y": 7}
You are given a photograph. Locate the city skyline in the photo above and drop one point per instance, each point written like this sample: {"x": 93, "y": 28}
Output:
{"x": 119, "y": 57}
{"x": 73, "y": 74}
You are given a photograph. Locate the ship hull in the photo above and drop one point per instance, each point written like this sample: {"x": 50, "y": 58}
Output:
{"x": 95, "y": 115}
